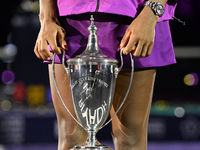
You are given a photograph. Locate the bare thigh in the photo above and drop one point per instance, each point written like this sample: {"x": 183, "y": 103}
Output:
{"x": 70, "y": 133}
{"x": 129, "y": 127}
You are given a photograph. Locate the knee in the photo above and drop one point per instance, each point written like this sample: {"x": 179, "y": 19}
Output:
{"x": 123, "y": 142}
{"x": 70, "y": 134}
{"x": 122, "y": 139}
{"x": 130, "y": 142}
{"x": 134, "y": 136}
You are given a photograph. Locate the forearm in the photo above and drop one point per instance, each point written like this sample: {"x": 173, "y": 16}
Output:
{"x": 48, "y": 11}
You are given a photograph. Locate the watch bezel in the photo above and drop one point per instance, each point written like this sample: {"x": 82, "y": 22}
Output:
{"x": 156, "y": 9}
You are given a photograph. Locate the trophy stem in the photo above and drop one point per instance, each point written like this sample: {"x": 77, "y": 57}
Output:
{"x": 92, "y": 141}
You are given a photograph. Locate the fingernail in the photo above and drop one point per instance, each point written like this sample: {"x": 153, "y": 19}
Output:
{"x": 49, "y": 59}
{"x": 66, "y": 47}
{"x": 119, "y": 48}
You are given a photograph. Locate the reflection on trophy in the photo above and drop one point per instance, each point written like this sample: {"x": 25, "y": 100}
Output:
{"x": 92, "y": 82}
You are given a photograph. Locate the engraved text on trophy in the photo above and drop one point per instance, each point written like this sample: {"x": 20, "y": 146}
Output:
{"x": 87, "y": 94}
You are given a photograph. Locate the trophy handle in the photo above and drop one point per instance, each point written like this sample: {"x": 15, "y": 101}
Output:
{"x": 63, "y": 63}
{"x": 131, "y": 79}
{"x": 122, "y": 62}
{"x": 54, "y": 78}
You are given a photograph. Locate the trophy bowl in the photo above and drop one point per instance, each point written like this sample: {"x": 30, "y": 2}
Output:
{"x": 92, "y": 78}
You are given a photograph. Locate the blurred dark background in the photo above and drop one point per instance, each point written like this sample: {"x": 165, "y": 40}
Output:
{"x": 26, "y": 111}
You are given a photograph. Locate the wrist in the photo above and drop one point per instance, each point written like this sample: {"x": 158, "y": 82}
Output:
{"x": 44, "y": 18}
{"x": 48, "y": 11}
{"x": 149, "y": 15}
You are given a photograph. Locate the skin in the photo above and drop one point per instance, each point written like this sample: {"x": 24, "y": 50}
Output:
{"x": 129, "y": 127}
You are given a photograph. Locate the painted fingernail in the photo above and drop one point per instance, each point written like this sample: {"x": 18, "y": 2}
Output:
{"x": 49, "y": 48}
{"x": 66, "y": 47}
{"x": 119, "y": 47}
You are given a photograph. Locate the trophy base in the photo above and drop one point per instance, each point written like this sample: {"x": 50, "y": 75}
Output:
{"x": 88, "y": 147}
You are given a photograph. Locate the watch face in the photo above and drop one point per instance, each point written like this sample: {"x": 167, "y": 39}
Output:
{"x": 160, "y": 10}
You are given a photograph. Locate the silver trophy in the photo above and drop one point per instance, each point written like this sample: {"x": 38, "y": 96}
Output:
{"x": 92, "y": 82}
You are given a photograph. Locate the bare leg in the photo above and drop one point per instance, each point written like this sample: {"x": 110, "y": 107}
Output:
{"x": 129, "y": 127}
{"x": 70, "y": 133}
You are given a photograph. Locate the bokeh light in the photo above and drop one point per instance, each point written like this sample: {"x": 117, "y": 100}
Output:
{"x": 10, "y": 50}
{"x": 20, "y": 92}
{"x": 179, "y": 112}
{"x": 191, "y": 79}
{"x": 2, "y": 147}
{"x": 9, "y": 89}
{"x": 28, "y": 6}
{"x": 36, "y": 94}
{"x": 35, "y": 7}
{"x": 8, "y": 53}
{"x": 6, "y": 105}
{"x": 8, "y": 77}
{"x": 161, "y": 105}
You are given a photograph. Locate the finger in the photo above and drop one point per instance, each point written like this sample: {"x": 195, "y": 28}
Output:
{"x": 149, "y": 49}
{"x": 40, "y": 51}
{"x": 46, "y": 51}
{"x": 124, "y": 40}
{"x": 51, "y": 52}
{"x": 139, "y": 49}
{"x": 130, "y": 45}
{"x": 133, "y": 49}
{"x": 53, "y": 42}
{"x": 62, "y": 42}
{"x": 36, "y": 51}
{"x": 51, "y": 57}
{"x": 43, "y": 51}
{"x": 144, "y": 51}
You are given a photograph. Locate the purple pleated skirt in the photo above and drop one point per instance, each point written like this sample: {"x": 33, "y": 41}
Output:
{"x": 110, "y": 33}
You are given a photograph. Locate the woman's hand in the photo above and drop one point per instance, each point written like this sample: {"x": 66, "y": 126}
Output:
{"x": 139, "y": 37}
{"x": 50, "y": 33}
